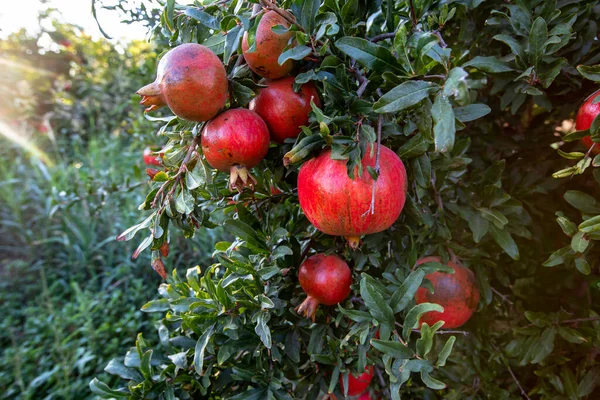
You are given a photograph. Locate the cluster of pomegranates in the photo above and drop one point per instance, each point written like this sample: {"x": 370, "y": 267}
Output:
{"x": 193, "y": 83}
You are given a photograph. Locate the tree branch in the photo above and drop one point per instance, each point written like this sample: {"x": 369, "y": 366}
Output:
{"x": 503, "y": 297}
{"x": 440, "y": 38}
{"x": 413, "y": 14}
{"x": 383, "y": 36}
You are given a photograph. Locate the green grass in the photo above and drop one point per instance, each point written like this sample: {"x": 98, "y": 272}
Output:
{"x": 70, "y": 293}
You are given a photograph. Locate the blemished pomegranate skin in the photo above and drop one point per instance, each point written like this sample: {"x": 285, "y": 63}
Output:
{"x": 457, "y": 293}
{"x": 358, "y": 384}
{"x": 585, "y": 116}
{"x": 236, "y": 141}
{"x": 325, "y": 279}
{"x": 269, "y": 46}
{"x": 338, "y": 205}
{"x": 284, "y": 110}
{"x": 191, "y": 80}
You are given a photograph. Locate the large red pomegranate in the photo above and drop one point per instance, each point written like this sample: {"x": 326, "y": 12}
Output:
{"x": 151, "y": 159}
{"x": 358, "y": 384}
{"x": 585, "y": 116}
{"x": 269, "y": 46}
{"x": 365, "y": 396}
{"x": 326, "y": 280}
{"x": 236, "y": 141}
{"x": 338, "y": 205}
{"x": 457, "y": 293}
{"x": 284, "y": 110}
{"x": 191, "y": 80}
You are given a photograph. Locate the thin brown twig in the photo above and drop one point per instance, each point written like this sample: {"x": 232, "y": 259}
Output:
{"x": 576, "y": 320}
{"x": 440, "y": 38}
{"x": 413, "y": 14}
{"x": 428, "y": 77}
{"x": 383, "y": 36}
{"x": 523, "y": 392}
{"x": 444, "y": 332}
{"x": 502, "y": 296}
{"x": 271, "y": 6}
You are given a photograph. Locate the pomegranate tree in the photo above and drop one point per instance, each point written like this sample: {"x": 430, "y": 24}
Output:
{"x": 339, "y": 205}
{"x": 585, "y": 116}
{"x": 191, "y": 80}
{"x": 268, "y": 47}
{"x": 234, "y": 142}
{"x": 284, "y": 110}
{"x": 325, "y": 279}
{"x": 457, "y": 293}
{"x": 359, "y": 383}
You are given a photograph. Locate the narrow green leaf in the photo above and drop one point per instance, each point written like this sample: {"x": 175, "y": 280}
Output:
{"x": 204, "y": 18}
{"x": 589, "y": 382}
{"x": 200, "y": 348}
{"x": 444, "y": 129}
{"x": 489, "y": 64}
{"x": 414, "y": 315}
{"x": 579, "y": 242}
{"x": 544, "y": 345}
{"x": 393, "y": 349}
{"x": 591, "y": 72}
{"x": 505, "y": 240}
{"x": 405, "y": 293}
{"x": 431, "y": 382}
{"x": 538, "y": 36}
{"x": 446, "y": 350}
{"x": 471, "y": 112}
{"x": 405, "y": 95}
{"x": 295, "y": 53}
{"x": 104, "y": 391}
{"x": 369, "y": 54}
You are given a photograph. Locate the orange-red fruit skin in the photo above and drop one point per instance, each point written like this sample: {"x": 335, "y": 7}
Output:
{"x": 585, "y": 116}
{"x": 358, "y": 384}
{"x": 325, "y": 278}
{"x": 269, "y": 46}
{"x": 337, "y": 205}
{"x": 236, "y": 137}
{"x": 457, "y": 293}
{"x": 284, "y": 110}
{"x": 151, "y": 159}
{"x": 191, "y": 80}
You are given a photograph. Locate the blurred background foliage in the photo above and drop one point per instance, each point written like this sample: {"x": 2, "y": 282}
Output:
{"x": 71, "y": 173}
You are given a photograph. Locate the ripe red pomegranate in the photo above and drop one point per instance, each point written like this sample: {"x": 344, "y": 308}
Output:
{"x": 326, "y": 280}
{"x": 191, "y": 80}
{"x": 234, "y": 142}
{"x": 151, "y": 159}
{"x": 358, "y": 384}
{"x": 585, "y": 116}
{"x": 284, "y": 110}
{"x": 269, "y": 46}
{"x": 365, "y": 396}
{"x": 457, "y": 293}
{"x": 338, "y": 205}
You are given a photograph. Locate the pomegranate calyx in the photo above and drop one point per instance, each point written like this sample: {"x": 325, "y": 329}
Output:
{"x": 353, "y": 242}
{"x": 151, "y": 97}
{"x": 308, "y": 308}
{"x": 240, "y": 177}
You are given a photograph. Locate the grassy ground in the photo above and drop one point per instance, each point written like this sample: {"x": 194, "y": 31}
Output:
{"x": 70, "y": 294}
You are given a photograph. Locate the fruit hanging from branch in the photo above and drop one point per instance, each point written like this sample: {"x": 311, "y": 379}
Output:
{"x": 284, "y": 110}
{"x": 585, "y": 116}
{"x": 339, "y": 205}
{"x": 358, "y": 384}
{"x": 191, "y": 80}
{"x": 234, "y": 142}
{"x": 326, "y": 279}
{"x": 268, "y": 46}
{"x": 457, "y": 293}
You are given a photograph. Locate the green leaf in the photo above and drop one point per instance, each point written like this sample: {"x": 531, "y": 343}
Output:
{"x": 580, "y": 242}
{"x": 128, "y": 234}
{"x": 116, "y": 367}
{"x": 505, "y": 240}
{"x": 146, "y": 365}
{"x": 281, "y": 252}
{"x": 582, "y": 201}
{"x": 582, "y": 266}
{"x": 405, "y": 293}
{"x": 184, "y": 202}
{"x": 414, "y": 315}
{"x": 393, "y": 349}
{"x": 571, "y": 335}
{"x": 205, "y": 19}
{"x": 375, "y": 302}
{"x": 544, "y": 345}
{"x": 591, "y": 72}
{"x": 446, "y": 350}
{"x": 369, "y": 54}
{"x": 405, "y": 95}
{"x": 295, "y": 53}
{"x": 262, "y": 329}
{"x": 568, "y": 227}
{"x": 200, "y": 348}
{"x": 538, "y": 35}
{"x": 558, "y": 257}
{"x": 589, "y": 382}
{"x": 444, "y": 129}
{"x": 306, "y": 12}
{"x": 489, "y": 64}
{"x": 425, "y": 342}
{"x": 232, "y": 42}
{"x": 415, "y": 146}
{"x": 104, "y": 391}
{"x": 355, "y": 315}
{"x": 431, "y": 382}
{"x": 471, "y": 112}
{"x": 479, "y": 226}
{"x": 156, "y": 306}
{"x": 513, "y": 43}
{"x": 494, "y": 217}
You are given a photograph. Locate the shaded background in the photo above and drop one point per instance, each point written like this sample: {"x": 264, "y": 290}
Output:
{"x": 71, "y": 178}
